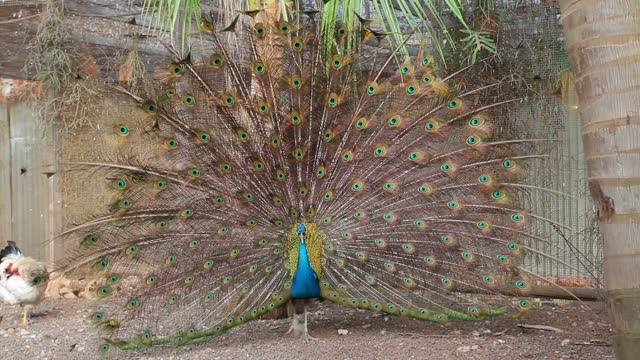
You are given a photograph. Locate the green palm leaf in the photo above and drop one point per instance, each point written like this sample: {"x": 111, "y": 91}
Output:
{"x": 424, "y": 17}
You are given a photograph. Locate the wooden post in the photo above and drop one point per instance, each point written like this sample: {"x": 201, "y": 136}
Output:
{"x": 5, "y": 176}
{"x": 32, "y": 157}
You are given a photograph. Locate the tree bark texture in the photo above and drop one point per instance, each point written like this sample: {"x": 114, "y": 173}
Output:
{"x": 603, "y": 39}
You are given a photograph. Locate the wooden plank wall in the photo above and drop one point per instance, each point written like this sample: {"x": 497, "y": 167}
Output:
{"x": 102, "y": 32}
{"x": 5, "y": 176}
{"x": 29, "y": 191}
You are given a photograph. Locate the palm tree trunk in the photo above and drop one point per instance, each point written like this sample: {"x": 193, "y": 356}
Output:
{"x": 603, "y": 39}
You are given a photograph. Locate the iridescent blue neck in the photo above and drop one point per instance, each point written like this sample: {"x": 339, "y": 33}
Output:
{"x": 305, "y": 282}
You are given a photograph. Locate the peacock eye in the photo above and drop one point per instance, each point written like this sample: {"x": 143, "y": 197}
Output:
{"x": 37, "y": 280}
{"x": 297, "y": 43}
{"x": 176, "y": 69}
{"x": 259, "y": 29}
{"x": 150, "y": 108}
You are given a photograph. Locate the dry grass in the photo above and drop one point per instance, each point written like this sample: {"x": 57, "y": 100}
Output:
{"x": 50, "y": 55}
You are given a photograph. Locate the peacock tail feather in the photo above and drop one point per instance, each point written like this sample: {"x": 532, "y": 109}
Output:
{"x": 409, "y": 188}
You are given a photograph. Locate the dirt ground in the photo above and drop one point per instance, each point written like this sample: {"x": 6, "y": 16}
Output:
{"x": 62, "y": 331}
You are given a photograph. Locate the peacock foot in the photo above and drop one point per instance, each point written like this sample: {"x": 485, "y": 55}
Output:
{"x": 300, "y": 330}
{"x": 294, "y": 327}
{"x": 307, "y": 338}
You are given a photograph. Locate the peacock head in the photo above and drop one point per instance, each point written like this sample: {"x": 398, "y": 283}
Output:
{"x": 301, "y": 232}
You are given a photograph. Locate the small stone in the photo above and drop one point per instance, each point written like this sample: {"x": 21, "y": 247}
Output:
{"x": 366, "y": 326}
{"x": 475, "y": 347}
{"x": 475, "y": 333}
{"x": 65, "y": 290}
{"x": 456, "y": 332}
{"x": 464, "y": 349}
{"x": 565, "y": 342}
{"x": 343, "y": 331}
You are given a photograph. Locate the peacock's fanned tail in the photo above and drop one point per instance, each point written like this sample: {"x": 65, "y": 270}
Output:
{"x": 409, "y": 189}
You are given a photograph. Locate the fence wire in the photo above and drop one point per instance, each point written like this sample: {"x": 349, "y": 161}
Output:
{"x": 532, "y": 41}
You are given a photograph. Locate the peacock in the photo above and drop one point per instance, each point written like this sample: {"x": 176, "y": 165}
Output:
{"x": 294, "y": 169}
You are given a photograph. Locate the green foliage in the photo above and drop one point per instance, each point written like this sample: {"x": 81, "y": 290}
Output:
{"x": 424, "y": 17}
{"x": 166, "y": 14}
{"x": 476, "y": 41}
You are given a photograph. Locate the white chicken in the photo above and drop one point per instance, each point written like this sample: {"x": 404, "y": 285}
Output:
{"x": 23, "y": 280}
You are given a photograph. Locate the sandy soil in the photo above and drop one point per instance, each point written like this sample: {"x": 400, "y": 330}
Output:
{"x": 64, "y": 332}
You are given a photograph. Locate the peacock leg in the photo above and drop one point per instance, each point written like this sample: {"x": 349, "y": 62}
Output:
{"x": 298, "y": 328}
{"x": 295, "y": 321}
{"x": 307, "y": 337}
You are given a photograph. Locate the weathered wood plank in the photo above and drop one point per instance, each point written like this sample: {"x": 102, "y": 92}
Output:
{"x": 30, "y": 157}
{"x": 103, "y": 30}
{"x": 5, "y": 176}
{"x": 55, "y": 249}
{"x": 15, "y": 37}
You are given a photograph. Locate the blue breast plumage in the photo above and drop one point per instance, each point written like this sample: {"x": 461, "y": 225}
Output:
{"x": 305, "y": 281}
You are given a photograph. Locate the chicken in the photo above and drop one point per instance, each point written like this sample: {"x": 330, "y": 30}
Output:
{"x": 23, "y": 280}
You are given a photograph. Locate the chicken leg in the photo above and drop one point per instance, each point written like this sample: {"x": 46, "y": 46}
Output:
{"x": 25, "y": 315}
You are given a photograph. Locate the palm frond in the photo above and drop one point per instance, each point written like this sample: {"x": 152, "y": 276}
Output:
{"x": 424, "y": 18}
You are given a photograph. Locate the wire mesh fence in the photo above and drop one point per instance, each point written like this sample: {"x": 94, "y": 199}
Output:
{"x": 533, "y": 42}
